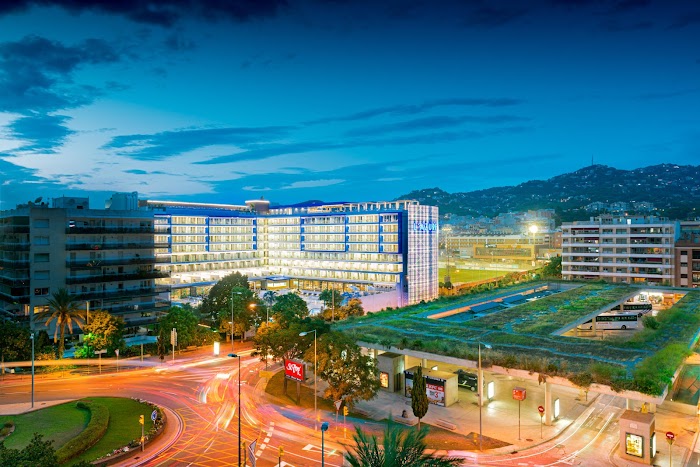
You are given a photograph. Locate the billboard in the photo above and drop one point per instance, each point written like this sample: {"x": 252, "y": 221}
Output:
{"x": 294, "y": 369}
{"x": 434, "y": 388}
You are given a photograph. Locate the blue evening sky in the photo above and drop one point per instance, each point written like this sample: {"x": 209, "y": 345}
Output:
{"x": 222, "y": 101}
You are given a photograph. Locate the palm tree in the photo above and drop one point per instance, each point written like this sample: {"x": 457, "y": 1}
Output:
{"x": 63, "y": 308}
{"x": 401, "y": 447}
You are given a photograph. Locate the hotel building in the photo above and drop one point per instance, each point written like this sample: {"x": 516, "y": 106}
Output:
{"x": 383, "y": 252}
{"x": 688, "y": 255}
{"x": 620, "y": 249}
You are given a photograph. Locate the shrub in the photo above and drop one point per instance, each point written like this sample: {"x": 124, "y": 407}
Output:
{"x": 93, "y": 432}
{"x": 650, "y": 322}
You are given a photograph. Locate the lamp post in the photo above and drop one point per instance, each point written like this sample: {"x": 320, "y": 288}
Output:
{"x": 31, "y": 336}
{"x": 233, "y": 355}
{"x": 324, "y": 427}
{"x": 481, "y": 393}
{"x": 232, "y": 293}
{"x": 302, "y": 334}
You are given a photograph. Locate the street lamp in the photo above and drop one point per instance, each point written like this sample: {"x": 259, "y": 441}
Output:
{"x": 324, "y": 427}
{"x": 233, "y": 355}
{"x": 302, "y": 334}
{"x": 31, "y": 336}
{"x": 481, "y": 393}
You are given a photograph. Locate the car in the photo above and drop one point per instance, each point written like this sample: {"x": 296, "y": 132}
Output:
{"x": 467, "y": 379}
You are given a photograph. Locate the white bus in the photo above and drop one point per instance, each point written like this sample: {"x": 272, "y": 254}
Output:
{"x": 612, "y": 321}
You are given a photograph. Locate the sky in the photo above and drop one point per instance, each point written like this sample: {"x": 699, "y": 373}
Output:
{"x": 336, "y": 100}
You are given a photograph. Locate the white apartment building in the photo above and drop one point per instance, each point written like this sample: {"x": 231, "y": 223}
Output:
{"x": 620, "y": 249}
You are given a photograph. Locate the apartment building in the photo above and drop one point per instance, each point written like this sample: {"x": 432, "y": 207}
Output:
{"x": 620, "y": 249}
{"x": 105, "y": 257}
{"x": 688, "y": 254}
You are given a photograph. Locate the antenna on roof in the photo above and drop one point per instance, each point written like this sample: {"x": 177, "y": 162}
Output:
{"x": 38, "y": 200}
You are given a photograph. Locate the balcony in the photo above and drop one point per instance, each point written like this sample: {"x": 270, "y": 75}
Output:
{"x": 110, "y": 246}
{"x": 98, "y": 262}
{"x": 93, "y": 279}
{"x": 112, "y": 230}
{"x": 14, "y": 263}
{"x": 123, "y": 293}
{"x": 16, "y": 246}
{"x": 14, "y": 229}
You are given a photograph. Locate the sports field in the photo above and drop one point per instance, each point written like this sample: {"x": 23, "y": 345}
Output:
{"x": 469, "y": 275}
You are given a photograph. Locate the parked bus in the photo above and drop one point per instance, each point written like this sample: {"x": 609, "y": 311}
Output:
{"x": 640, "y": 308}
{"x": 613, "y": 321}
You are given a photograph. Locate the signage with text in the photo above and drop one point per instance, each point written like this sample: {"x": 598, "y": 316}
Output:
{"x": 294, "y": 370}
{"x": 519, "y": 394}
{"x": 424, "y": 226}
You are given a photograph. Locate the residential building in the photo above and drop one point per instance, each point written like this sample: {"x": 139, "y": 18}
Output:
{"x": 105, "y": 257}
{"x": 688, "y": 254}
{"x": 620, "y": 249}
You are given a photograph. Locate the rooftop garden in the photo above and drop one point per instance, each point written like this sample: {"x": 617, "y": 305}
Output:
{"x": 522, "y": 337}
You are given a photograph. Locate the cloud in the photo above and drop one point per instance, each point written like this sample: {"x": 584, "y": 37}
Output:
{"x": 412, "y": 109}
{"x": 614, "y": 25}
{"x": 162, "y": 145}
{"x": 667, "y": 94}
{"x": 626, "y": 6}
{"x": 36, "y": 73}
{"x": 163, "y": 12}
{"x": 491, "y": 17}
{"x": 431, "y": 123}
{"x": 312, "y": 183}
{"x": 686, "y": 19}
{"x": 42, "y": 132}
{"x": 177, "y": 42}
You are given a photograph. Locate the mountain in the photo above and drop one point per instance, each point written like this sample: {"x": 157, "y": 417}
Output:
{"x": 673, "y": 190}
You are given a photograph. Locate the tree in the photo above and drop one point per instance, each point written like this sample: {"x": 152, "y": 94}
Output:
{"x": 14, "y": 342}
{"x": 63, "y": 309}
{"x": 217, "y": 302}
{"x": 419, "y": 396}
{"x": 280, "y": 343}
{"x": 353, "y": 308}
{"x": 288, "y": 308}
{"x": 331, "y": 298}
{"x": 269, "y": 297}
{"x": 553, "y": 268}
{"x": 104, "y": 332}
{"x": 184, "y": 321}
{"x": 37, "y": 452}
{"x": 400, "y": 447}
{"x": 350, "y": 375}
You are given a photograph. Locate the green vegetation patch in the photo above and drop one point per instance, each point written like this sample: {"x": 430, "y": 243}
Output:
{"x": 522, "y": 337}
{"x": 123, "y": 425}
{"x": 59, "y": 423}
{"x": 471, "y": 275}
{"x": 95, "y": 430}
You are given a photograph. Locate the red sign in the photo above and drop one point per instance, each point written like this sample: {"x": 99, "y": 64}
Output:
{"x": 670, "y": 435}
{"x": 540, "y": 409}
{"x": 519, "y": 394}
{"x": 294, "y": 370}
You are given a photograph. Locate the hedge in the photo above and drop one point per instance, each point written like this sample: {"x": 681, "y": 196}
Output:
{"x": 93, "y": 432}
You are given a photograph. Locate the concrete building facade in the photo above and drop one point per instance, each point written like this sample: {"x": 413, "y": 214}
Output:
{"x": 620, "y": 249}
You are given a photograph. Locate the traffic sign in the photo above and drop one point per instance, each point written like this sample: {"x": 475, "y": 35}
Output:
{"x": 116, "y": 352}
{"x": 670, "y": 435}
{"x": 154, "y": 415}
{"x": 338, "y": 403}
{"x": 540, "y": 409}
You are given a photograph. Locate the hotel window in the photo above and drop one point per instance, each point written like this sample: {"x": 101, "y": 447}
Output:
{"x": 41, "y": 223}
{"x": 41, "y": 240}
{"x": 39, "y": 291}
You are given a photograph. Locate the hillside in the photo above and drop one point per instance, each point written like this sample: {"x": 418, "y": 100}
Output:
{"x": 673, "y": 190}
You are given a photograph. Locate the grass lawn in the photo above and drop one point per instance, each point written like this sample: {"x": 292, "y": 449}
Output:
{"x": 470, "y": 275}
{"x": 123, "y": 426}
{"x": 437, "y": 438}
{"x": 59, "y": 424}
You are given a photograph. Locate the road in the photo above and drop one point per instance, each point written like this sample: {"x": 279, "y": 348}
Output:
{"x": 203, "y": 392}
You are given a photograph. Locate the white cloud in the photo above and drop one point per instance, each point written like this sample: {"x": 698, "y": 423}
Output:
{"x": 312, "y": 183}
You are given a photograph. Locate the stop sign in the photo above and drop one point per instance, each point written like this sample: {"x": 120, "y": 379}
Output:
{"x": 540, "y": 409}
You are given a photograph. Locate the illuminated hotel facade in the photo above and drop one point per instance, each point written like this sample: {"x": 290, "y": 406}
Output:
{"x": 384, "y": 252}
